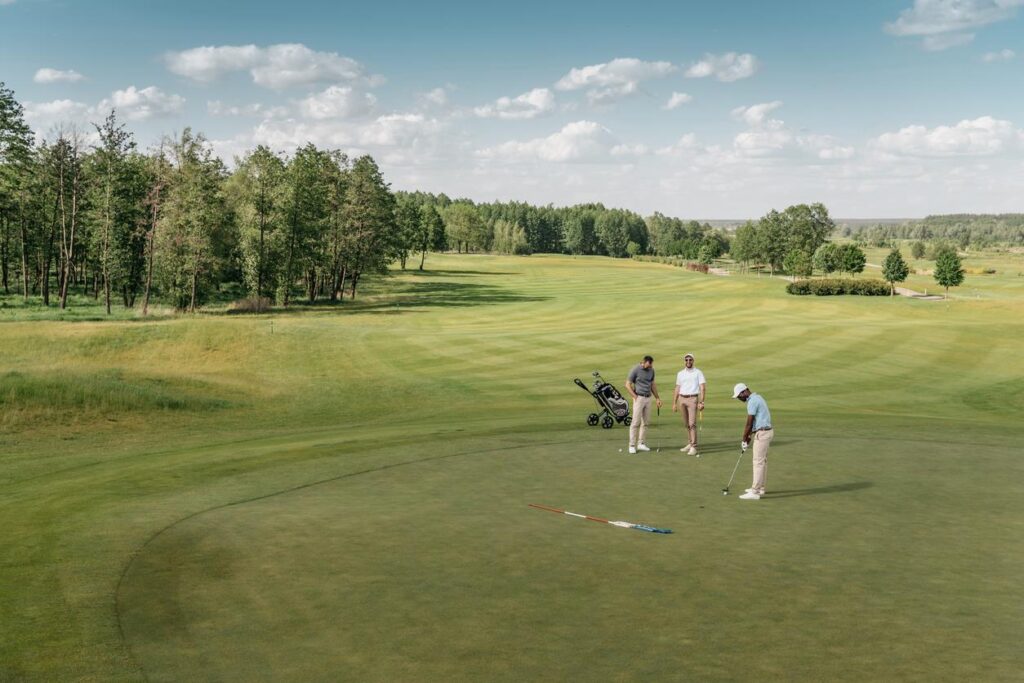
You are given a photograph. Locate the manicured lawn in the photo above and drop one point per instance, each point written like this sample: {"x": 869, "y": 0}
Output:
{"x": 340, "y": 492}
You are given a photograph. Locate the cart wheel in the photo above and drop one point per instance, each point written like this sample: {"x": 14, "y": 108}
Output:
{"x": 607, "y": 422}
{"x": 628, "y": 420}
{"x": 593, "y": 419}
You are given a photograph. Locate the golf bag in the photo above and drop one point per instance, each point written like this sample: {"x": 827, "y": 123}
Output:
{"x": 614, "y": 408}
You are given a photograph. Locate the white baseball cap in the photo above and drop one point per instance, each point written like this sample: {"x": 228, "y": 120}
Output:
{"x": 738, "y": 389}
{"x": 689, "y": 355}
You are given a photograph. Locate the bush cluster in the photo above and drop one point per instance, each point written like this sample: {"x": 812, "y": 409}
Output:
{"x": 834, "y": 286}
{"x": 677, "y": 261}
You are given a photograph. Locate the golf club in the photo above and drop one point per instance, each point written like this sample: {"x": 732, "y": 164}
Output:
{"x": 700, "y": 428}
{"x": 725, "y": 491}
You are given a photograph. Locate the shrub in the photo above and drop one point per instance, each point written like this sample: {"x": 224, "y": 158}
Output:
{"x": 836, "y": 286}
{"x": 250, "y": 305}
{"x": 697, "y": 267}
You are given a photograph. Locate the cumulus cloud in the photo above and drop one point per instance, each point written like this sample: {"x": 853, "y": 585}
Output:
{"x": 983, "y": 136}
{"x": 1004, "y": 55}
{"x": 337, "y": 102}
{"x": 676, "y": 100}
{"x": 577, "y": 141}
{"x": 613, "y": 80}
{"x": 218, "y": 108}
{"x": 757, "y": 114}
{"x": 43, "y": 115}
{"x": 767, "y": 136}
{"x": 687, "y": 145}
{"x": 48, "y": 75}
{"x": 529, "y": 105}
{"x": 727, "y": 67}
{"x": 438, "y": 97}
{"x": 276, "y": 66}
{"x": 944, "y": 41}
{"x": 138, "y": 105}
{"x": 948, "y": 23}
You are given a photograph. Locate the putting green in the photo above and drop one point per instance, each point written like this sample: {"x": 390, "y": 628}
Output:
{"x": 343, "y": 495}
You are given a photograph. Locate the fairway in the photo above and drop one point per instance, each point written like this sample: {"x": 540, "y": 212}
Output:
{"x": 341, "y": 492}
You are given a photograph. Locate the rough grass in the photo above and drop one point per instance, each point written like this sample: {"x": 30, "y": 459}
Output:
{"x": 342, "y": 493}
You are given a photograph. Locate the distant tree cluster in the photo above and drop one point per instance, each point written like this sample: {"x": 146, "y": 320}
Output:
{"x": 584, "y": 229}
{"x": 959, "y": 230}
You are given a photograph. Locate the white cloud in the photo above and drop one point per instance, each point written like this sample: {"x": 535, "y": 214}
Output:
{"x": 6, "y": 2}
{"x": 944, "y": 41}
{"x": 1004, "y": 55}
{"x": 276, "y": 66}
{"x": 677, "y": 100}
{"x": 48, "y": 75}
{"x": 948, "y": 23}
{"x": 438, "y": 97}
{"x": 982, "y": 136}
{"x": 529, "y": 105}
{"x": 43, "y": 115}
{"x": 757, "y": 114}
{"x": 138, "y": 105}
{"x": 218, "y": 108}
{"x": 767, "y": 137}
{"x": 686, "y": 146}
{"x": 726, "y": 67}
{"x": 405, "y": 138}
{"x": 613, "y": 80}
{"x": 577, "y": 141}
{"x": 337, "y": 102}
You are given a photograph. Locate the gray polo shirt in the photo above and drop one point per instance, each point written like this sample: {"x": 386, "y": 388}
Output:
{"x": 642, "y": 380}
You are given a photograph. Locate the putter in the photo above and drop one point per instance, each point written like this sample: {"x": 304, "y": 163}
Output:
{"x": 725, "y": 491}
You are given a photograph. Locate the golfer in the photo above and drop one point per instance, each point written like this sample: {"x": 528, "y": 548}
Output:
{"x": 688, "y": 398}
{"x": 640, "y": 385}
{"x": 759, "y": 426}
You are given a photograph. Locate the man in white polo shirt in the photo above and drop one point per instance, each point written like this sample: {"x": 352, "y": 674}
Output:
{"x": 689, "y": 398}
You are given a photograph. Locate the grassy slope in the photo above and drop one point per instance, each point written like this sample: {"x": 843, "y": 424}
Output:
{"x": 892, "y": 549}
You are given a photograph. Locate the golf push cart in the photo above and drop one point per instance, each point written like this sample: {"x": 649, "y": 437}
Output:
{"x": 614, "y": 408}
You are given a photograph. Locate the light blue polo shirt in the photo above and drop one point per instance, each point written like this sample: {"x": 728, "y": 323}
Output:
{"x": 757, "y": 407}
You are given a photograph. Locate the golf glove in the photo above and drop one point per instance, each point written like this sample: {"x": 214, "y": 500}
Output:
{"x": 744, "y": 445}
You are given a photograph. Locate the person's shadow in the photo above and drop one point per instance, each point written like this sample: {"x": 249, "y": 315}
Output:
{"x": 835, "y": 488}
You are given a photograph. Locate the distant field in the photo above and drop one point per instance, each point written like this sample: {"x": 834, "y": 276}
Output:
{"x": 340, "y": 492}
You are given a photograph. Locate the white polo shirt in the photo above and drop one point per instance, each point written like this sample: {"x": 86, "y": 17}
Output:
{"x": 689, "y": 381}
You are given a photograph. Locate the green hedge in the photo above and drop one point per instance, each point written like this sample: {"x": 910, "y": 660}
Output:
{"x": 834, "y": 286}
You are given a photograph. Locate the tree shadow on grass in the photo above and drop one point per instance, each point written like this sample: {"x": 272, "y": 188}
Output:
{"x": 411, "y": 296}
{"x": 835, "y": 488}
{"x": 450, "y": 273}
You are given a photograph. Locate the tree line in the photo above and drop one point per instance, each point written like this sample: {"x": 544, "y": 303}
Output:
{"x": 958, "y": 230}
{"x": 91, "y": 214}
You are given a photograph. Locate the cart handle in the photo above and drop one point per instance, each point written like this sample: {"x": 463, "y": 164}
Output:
{"x": 581, "y": 385}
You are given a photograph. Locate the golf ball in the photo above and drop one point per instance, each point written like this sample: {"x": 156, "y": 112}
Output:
{"x": 620, "y": 450}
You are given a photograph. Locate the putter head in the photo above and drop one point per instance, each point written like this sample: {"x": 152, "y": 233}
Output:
{"x": 725, "y": 491}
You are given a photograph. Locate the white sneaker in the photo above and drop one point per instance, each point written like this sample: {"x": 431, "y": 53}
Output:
{"x": 686, "y": 448}
{"x": 759, "y": 492}
{"x": 750, "y": 496}
{"x": 642, "y": 447}
{"x": 692, "y": 451}
{"x": 632, "y": 450}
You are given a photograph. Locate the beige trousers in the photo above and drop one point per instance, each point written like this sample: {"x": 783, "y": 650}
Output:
{"x": 688, "y": 407}
{"x": 761, "y": 440}
{"x": 641, "y": 416}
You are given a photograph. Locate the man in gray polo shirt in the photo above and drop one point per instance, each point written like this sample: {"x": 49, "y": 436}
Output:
{"x": 641, "y": 387}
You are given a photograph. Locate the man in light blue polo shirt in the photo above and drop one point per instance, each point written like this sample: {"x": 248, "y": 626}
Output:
{"x": 759, "y": 425}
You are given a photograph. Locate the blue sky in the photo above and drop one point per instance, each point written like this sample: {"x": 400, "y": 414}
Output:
{"x": 706, "y": 110}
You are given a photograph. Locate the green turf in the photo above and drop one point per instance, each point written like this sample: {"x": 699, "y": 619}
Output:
{"x": 340, "y": 492}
